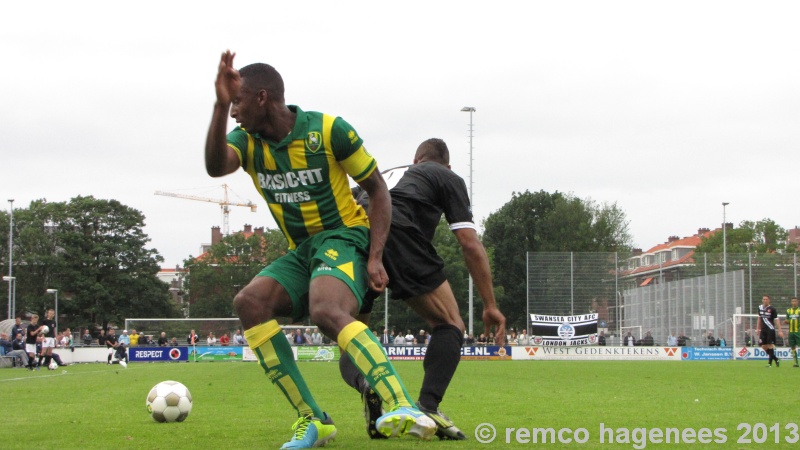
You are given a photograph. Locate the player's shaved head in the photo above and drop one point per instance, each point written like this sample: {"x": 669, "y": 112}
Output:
{"x": 434, "y": 150}
{"x": 258, "y": 76}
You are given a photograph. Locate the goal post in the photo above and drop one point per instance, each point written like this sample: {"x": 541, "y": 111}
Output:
{"x": 745, "y": 337}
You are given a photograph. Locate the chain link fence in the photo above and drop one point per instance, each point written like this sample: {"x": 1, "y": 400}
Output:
{"x": 689, "y": 299}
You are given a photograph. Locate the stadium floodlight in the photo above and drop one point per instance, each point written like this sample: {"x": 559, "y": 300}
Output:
{"x": 11, "y": 285}
{"x": 55, "y": 291}
{"x": 470, "y": 110}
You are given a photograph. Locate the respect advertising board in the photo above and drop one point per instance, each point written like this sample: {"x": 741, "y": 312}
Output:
{"x": 152, "y": 354}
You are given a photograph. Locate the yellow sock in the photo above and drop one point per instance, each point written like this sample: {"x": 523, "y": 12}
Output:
{"x": 275, "y": 356}
{"x": 368, "y": 356}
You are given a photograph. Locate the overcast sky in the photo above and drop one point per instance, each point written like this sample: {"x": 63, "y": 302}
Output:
{"x": 667, "y": 108}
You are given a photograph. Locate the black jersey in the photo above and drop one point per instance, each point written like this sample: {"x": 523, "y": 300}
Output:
{"x": 767, "y": 316}
{"x": 425, "y": 192}
{"x": 29, "y": 337}
{"x": 111, "y": 340}
{"x": 52, "y": 325}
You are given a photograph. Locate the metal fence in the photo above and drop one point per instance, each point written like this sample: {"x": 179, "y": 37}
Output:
{"x": 688, "y": 298}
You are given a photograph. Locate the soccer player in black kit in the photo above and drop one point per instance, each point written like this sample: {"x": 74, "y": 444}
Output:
{"x": 768, "y": 322}
{"x": 49, "y": 342}
{"x": 425, "y": 191}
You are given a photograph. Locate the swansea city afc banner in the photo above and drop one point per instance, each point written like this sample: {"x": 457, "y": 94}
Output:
{"x": 563, "y": 330}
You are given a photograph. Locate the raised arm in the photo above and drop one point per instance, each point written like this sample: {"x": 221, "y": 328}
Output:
{"x": 221, "y": 159}
{"x": 478, "y": 265}
{"x": 380, "y": 219}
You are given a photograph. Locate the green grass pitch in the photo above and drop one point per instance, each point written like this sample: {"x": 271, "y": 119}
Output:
{"x": 235, "y": 406}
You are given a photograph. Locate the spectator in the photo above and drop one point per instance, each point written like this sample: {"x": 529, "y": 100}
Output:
{"x": 522, "y": 337}
{"x": 5, "y": 344}
{"x": 18, "y": 350}
{"x": 385, "y": 338}
{"x": 144, "y": 340}
{"x": 400, "y": 339}
{"x": 409, "y": 338}
{"x": 648, "y": 340}
{"x": 683, "y": 340}
{"x": 482, "y": 339}
{"x": 124, "y": 338}
{"x": 470, "y": 340}
{"x": 173, "y": 342}
{"x": 307, "y": 336}
{"x": 192, "y": 339}
{"x": 238, "y": 339}
{"x": 134, "y": 337}
{"x": 63, "y": 340}
{"x": 101, "y": 338}
{"x": 87, "y": 338}
{"x": 298, "y": 338}
{"x": 601, "y": 339}
{"x": 628, "y": 340}
{"x": 711, "y": 341}
{"x": 162, "y": 340}
{"x": 490, "y": 339}
{"x": 721, "y": 342}
{"x": 422, "y": 338}
{"x": 17, "y": 328}
{"x": 672, "y": 340}
{"x": 211, "y": 339}
{"x": 512, "y": 338}
{"x": 316, "y": 337}
{"x": 224, "y": 340}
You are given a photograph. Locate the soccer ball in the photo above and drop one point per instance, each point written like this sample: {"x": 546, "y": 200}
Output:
{"x": 45, "y": 330}
{"x": 123, "y": 364}
{"x": 53, "y": 365}
{"x": 169, "y": 401}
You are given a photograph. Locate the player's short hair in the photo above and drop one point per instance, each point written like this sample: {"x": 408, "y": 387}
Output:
{"x": 433, "y": 149}
{"x": 263, "y": 76}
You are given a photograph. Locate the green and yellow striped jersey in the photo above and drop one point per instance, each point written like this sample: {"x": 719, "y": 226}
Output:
{"x": 304, "y": 177}
{"x": 793, "y": 319}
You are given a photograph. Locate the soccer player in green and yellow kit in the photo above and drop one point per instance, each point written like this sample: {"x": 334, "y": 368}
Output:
{"x": 300, "y": 162}
{"x": 793, "y": 319}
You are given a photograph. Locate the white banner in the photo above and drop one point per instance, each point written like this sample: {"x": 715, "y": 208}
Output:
{"x": 597, "y": 353}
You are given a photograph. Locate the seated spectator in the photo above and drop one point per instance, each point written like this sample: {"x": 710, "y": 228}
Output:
{"x": 481, "y": 339}
{"x": 162, "y": 340}
{"x": 490, "y": 339}
{"x": 18, "y": 351}
{"x": 211, "y": 339}
{"x": 224, "y": 340}
{"x": 512, "y": 338}
{"x": 5, "y": 344}
{"x": 87, "y": 338}
{"x": 173, "y": 342}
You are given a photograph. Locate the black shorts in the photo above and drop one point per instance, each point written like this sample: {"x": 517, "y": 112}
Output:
{"x": 766, "y": 337}
{"x": 413, "y": 266}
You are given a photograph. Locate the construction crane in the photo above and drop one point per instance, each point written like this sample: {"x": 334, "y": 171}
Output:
{"x": 224, "y": 204}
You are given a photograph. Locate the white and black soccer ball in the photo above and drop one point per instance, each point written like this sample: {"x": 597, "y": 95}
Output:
{"x": 169, "y": 401}
{"x": 53, "y": 365}
{"x": 45, "y": 329}
{"x": 123, "y": 363}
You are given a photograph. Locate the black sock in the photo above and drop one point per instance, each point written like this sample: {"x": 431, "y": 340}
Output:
{"x": 350, "y": 373}
{"x": 441, "y": 361}
{"x": 771, "y": 355}
{"x": 40, "y": 360}
{"x": 47, "y": 360}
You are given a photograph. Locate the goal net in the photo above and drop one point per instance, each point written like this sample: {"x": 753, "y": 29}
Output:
{"x": 745, "y": 339}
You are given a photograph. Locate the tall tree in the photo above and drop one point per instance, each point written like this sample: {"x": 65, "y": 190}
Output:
{"x": 545, "y": 222}
{"x": 108, "y": 273}
{"x": 214, "y": 277}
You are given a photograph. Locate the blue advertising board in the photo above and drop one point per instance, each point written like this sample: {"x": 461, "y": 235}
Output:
{"x": 151, "y": 354}
{"x": 706, "y": 353}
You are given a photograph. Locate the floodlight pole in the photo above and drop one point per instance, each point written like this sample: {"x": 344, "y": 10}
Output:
{"x": 470, "y": 110}
{"x": 724, "y": 255}
{"x": 11, "y": 290}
